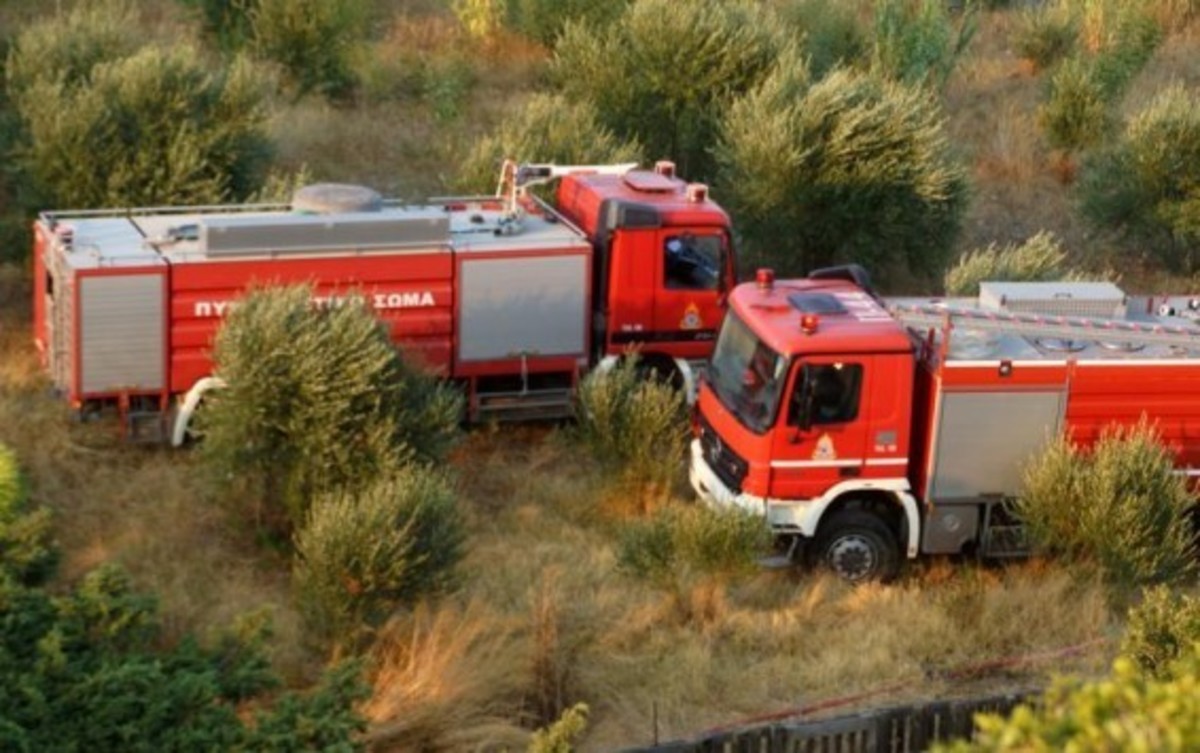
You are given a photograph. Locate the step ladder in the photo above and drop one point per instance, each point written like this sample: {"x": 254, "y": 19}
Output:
{"x": 1119, "y": 331}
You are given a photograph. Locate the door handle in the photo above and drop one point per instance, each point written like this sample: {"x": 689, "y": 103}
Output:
{"x": 850, "y": 471}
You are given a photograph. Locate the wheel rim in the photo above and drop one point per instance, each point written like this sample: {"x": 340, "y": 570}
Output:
{"x": 852, "y": 557}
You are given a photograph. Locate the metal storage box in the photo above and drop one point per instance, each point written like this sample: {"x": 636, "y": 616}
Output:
{"x": 1101, "y": 300}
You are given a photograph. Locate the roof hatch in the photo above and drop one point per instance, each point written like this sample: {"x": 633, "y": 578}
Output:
{"x": 816, "y": 303}
{"x": 642, "y": 180}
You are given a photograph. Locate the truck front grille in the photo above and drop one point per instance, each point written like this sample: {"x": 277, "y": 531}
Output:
{"x": 727, "y": 464}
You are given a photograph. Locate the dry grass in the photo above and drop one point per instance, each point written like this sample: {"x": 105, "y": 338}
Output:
{"x": 543, "y": 618}
{"x": 703, "y": 651}
{"x": 145, "y": 509}
{"x": 446, "y": 678}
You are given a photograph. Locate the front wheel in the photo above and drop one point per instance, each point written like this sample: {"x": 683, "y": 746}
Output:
{"x": 858, "y": 547}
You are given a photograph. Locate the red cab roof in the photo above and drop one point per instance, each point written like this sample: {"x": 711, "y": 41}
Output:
{"x": 581, "y": 196}
{"x": 847, "y": 319}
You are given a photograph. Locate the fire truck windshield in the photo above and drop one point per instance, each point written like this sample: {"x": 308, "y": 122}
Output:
{"x": 747, "y": 375}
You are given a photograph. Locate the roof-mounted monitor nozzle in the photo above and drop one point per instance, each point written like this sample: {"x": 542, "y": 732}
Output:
{"x": 516, "y": 180}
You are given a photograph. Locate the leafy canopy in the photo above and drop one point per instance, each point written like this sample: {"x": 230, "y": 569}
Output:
{"x": 317, "y": 399}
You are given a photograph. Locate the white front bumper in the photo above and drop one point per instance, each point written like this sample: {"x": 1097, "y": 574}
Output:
{"x": 710, "y": 488}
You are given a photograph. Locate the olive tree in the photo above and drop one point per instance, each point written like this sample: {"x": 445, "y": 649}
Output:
{"x": 665, "y": 71}
{"x": 317, "y": 400}
{"x": 547, "y": 129}
{"x": 109, "y": 119}
{"x": 1146, "y": 187}
{"x": 850, "y": 168}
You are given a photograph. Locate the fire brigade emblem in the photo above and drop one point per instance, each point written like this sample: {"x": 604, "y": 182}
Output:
{"x": 824, "y": 449}
{"x": 691, "y": 317}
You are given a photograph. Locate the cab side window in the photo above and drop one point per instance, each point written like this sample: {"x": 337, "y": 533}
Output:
{"x": 692, "y": 262}
{"x": 832, "y": 391}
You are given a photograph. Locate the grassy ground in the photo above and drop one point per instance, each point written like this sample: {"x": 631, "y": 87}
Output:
{"x": 543, "y": 617}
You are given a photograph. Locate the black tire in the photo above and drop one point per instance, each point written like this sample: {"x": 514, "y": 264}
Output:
{"x": 858, "y": 547}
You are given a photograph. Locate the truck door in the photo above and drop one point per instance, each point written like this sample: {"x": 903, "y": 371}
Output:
{"x": 691, "y": 271}
{"x": 821, "y": 435}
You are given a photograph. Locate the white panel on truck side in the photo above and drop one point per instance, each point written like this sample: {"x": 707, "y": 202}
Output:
{"x": 122, "y": 326}
{"x": 532, "y": 306}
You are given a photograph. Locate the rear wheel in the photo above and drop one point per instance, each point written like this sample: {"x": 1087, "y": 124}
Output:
{"x": 858, "y": 547}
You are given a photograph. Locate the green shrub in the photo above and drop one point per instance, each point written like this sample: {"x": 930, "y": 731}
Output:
{"x": 547, "y": 129}
{"x": 312, "y": 39}
{"x": 665, "y": 72}
{"x": 1118, "y": 41}
{"x": 65, "y": 49}
{"x": 361, "y": 554}
{"x": 832, "y": 33}
{"x": 847, "y": 169}
{"x": 544, "y": 20}
{"x": 481, "y": 18}
{"x": 1127, "y": 711}
{"x": 1040, "y": 258}
{"x": 26, "y": 553}
{"x": 1164, "y": 627}
{"x": 675, "y": 539}
{"x": 226, "y": 20}
{"x": 153, "y": 127}
{"x": 1134, "y": 37}
{"x": 560, "y": 736}
{"x": 317, "y": 400}
{"x": 91, "y": 669}
{"x": 12, "y": 486}
{"x": 1076, "y": 113}
{"x": 632, "y": 422}
{"x": 1046, "y": 34}
{"x": 1146, "y": 187}
{"x": 919, "y": 42}
{"x": 1117, "y": 507}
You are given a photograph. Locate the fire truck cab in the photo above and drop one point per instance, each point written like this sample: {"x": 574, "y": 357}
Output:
{"x": 866, "y": 431}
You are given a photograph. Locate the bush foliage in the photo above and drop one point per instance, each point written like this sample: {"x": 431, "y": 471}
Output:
{"x": 664, "y": 72}
{"x": 1146, "y": 187}
{"x": 1117, "y": 506}
{"x": 547, "y": 129}
{"x": 633, "y": 422}
{"x": 919, "y": 42}
{"x": 26, "y": 555}
{"x": 675, "y": 539}
{"x": 1127, "y": 711}
{"x": 313, "y": 40}
{"x": 1162, "y": 629}
{"x": 110, "y": 123}
{"x": 89, "y": 668}
{"x": 1039, "y": 259}
{"x": 361, "y": 554}
{"x": 1046, "y": 33}
{"x": 846, "y": 169}
{"x": 831, "y": 32}
{"x": 1118, "y": 40}
{"x": 317, "y": 399}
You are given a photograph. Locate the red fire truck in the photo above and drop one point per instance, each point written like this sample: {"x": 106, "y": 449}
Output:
{"x": 508, "y": 295}
{"x": 865, "y": 431}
